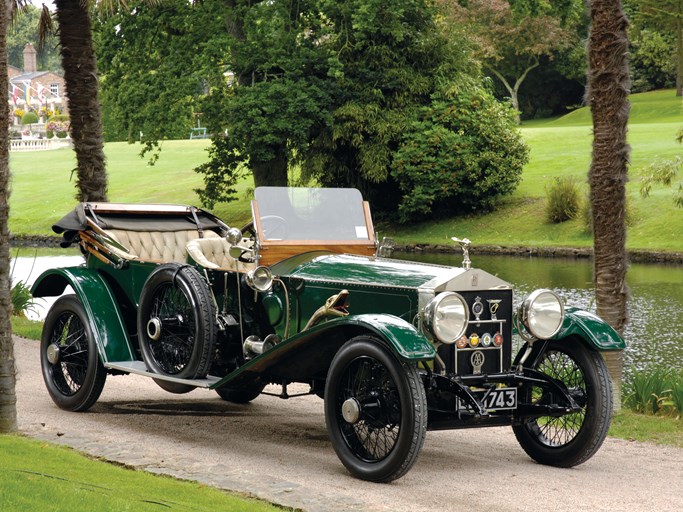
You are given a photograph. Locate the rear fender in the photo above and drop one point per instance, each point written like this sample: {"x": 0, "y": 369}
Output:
{"x": 309, "y": 353}
{"x": 104, "y": 314}
{"x": 597, "y": 333}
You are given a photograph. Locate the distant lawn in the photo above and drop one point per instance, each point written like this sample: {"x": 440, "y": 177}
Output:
{"x": 43, "y": 189}
{"x": 37, "y": 476}
{"x": 647, "y": 107}
{"x": 42, "y": 192}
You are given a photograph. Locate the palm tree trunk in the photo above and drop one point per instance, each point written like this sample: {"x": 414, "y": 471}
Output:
{"x": 608, "y": 87}
{"x": 80, "y": 76}
{"x": 679, "y": 55}
{"x": 8, "y": 398}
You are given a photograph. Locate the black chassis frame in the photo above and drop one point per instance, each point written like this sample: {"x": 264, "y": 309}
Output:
{"x": 442, "y": 389}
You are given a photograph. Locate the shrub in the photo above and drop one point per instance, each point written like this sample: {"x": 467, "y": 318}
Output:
{"x": 29, "y": 118}
{"x": 22, "y": 300}
{"x": 649, "y": 391}
{"x": 460, "y": 156}
{"x": 677, "y": 393}
{"x": 563, "y": 200}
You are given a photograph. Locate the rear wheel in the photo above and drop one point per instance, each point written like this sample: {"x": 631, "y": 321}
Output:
{"x": 375, "y": 410}
{"x": 571, "y": 439}
{"x": 72, "y": 369}
{"x": 177, "y": 322}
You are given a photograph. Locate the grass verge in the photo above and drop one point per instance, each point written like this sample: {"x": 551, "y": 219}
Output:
{"x": 663, "y": 430}
{"x": 22, "y": 326}
{"x": 40, "y": 476}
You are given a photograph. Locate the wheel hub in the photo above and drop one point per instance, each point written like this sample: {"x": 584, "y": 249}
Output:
{"x": 351, "y": 411}
{"x": 154, "y": 328}
{"x": 53, "y": 353}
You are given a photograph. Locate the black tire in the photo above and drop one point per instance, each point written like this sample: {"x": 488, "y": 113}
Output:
{"x": 242, "y": 394}
{"x": 569, "y": 440}
{"x": 177, "y": 322}
{"x": 385, "y": 407}
{"x": 72, "y": 370}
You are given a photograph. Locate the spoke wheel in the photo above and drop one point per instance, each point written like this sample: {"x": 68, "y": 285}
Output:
{"x": 375, "y": 410}
{"x": 176, "y": 322}
{"x": 571, "y": 439}
{"x": 72, "y": 371}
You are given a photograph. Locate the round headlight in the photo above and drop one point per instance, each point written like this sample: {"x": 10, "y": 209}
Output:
{"x": 446, "y": 316}
{"x": 260, "y": 279}
{"x": 543, "y": 313}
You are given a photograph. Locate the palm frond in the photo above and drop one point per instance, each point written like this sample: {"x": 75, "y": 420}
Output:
{"x": 46, "y": 26}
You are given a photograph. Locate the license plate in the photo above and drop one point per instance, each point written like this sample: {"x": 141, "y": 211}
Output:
{"x": 499, "y": 399}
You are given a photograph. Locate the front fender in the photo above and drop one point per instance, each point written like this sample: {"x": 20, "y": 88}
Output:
{"x": 593, "y": 329}
{"x": 309, "y": 353}
{"x": 403, "y": 337}
{"x": 104, "y": 314}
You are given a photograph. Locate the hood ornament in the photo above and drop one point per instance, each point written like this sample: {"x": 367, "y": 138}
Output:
{"x": 465, "y": 246}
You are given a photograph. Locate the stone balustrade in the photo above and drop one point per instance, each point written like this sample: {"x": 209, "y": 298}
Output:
{"x": 38, "y": 144}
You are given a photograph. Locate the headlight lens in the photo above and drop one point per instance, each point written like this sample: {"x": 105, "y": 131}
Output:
{"x": 446, "y": 316}
{"x": 542, "y": 313}
{"x": 260, "y": 279}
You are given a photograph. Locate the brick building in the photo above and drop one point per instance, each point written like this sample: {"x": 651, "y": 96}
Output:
{"x": 30, "y": 89}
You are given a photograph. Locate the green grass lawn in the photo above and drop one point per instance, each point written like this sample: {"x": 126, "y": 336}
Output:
{"x": 42, "y": 191}
{"x": 37, "y": 476}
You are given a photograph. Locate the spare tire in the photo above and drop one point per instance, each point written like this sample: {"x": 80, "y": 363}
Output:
{"x": 177, "y": 322}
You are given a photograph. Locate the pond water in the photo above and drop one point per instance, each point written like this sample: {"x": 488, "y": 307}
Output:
{"x": 654, "y": 334}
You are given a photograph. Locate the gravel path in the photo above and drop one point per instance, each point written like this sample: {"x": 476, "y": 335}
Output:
{"x": 278, "y": 450}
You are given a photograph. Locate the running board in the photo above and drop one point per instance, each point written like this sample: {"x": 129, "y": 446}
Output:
{"x": 140, "y": 368}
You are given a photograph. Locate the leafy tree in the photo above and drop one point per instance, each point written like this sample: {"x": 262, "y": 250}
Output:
{"x": 156, "y": 64}
{"x": 398, "y": 69}
{"x": 652, "y": 65}
{"x": 8, "y": 398}
{"x": 514, "y": 37}
{"x": 281, "y": 63}
{"x": 667, "y": 17}
{"x": 24, "y": 29}
{"x": 608, "y": 89}
{"x": 329, "y": 88}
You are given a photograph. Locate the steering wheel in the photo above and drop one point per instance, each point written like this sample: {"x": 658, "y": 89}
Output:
{"x": 274, "y": 227}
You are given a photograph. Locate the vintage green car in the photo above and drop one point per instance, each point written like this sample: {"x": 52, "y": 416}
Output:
{"x": 306, "y": 294}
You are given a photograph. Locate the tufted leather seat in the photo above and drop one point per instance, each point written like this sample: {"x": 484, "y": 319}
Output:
{"x": 214, "y": 253}
{"x": 158, "y": 246}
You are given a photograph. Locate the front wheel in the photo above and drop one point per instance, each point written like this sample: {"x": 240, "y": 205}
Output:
{"x": 72, "y": 370}
{"x": 571, "y": 439}
{"x": 375, "y": 410}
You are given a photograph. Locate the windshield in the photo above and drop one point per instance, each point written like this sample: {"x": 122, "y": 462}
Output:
{"x": 311, "y": 214}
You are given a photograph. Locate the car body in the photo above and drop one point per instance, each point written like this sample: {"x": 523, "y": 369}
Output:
{"x": 306, "y": 294}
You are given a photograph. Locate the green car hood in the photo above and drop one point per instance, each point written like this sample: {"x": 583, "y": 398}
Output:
{"x": 371, "y": 271}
